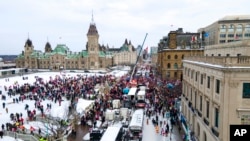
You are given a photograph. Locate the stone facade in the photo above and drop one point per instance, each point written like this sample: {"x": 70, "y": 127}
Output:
{"x": 227, "y": 29}
{"x": 216, "y": 87}
{"x": 172, "y": 49}
{"x": 94, "y": 57}
{"x": 126, "y": 55}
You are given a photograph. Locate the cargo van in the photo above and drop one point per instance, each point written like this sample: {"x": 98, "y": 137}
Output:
{"x": 116, "y": 104}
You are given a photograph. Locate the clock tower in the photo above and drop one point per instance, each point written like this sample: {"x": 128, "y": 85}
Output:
{"x": 93, "y": 46}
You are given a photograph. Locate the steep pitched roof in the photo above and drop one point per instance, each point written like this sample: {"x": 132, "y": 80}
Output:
{"x": 92, "y": 30}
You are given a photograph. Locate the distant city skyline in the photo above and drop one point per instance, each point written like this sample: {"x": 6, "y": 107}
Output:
{"x": 67, "y": 21}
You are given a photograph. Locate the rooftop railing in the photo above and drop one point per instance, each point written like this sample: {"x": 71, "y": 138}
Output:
{"x": 225, "y": 61}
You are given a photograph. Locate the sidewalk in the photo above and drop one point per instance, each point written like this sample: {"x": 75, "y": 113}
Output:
{"x": 175, "y": 135}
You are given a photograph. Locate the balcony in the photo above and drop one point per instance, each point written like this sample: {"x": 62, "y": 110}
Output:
{"x": 206, "y": 121}
{"x": 215, "y": 132}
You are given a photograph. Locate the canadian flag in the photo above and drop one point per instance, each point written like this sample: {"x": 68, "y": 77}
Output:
{"x": 194, "y": 38}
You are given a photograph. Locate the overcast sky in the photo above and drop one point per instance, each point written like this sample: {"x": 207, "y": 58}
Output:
{"x": 116, "y": 20}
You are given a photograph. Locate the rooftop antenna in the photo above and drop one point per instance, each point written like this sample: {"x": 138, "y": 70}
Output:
{"x": 47, "y": 39}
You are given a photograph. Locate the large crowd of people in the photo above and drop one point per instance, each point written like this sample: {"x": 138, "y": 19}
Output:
{"x": 161, "y": 96}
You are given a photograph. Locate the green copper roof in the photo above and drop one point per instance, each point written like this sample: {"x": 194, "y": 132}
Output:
{"x": 36, "y": 54}
{"x": 84, "y": 53}
{"x": 102, "y": 54}
{"x": 124, "y": 47}
{"x": 60, "y": 49}
{"x": 71, "y": 56}
{"x": 20, "y": 56}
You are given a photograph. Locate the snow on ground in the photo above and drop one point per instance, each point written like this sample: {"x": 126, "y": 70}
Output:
{"x": 83, "y": 105}
{"x": 56, "y": 111}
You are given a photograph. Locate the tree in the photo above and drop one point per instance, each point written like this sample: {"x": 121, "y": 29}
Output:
{"x": 54, "y": 128}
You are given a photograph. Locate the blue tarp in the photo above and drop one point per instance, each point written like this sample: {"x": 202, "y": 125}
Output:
{"x": 125, "y": 90}
{"x": 170, "y": 86}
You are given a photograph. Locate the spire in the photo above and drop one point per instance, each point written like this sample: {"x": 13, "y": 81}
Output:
{"x": 92, "y": 19}
{"x": 92, "y": 28}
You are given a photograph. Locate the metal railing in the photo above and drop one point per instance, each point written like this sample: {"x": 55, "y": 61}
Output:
{"x": 24, "y": 137}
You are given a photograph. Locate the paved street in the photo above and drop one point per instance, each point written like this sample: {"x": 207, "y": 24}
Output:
{"x": 149, "y": 133}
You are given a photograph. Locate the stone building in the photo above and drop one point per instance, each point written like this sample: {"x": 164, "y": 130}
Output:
{"x": 227, "y": 29}
{"x": 216, "y": 86}
{"x": 94, "y": 57}
{"x": 173, "y": 48}
{"x": 153, "y": 56}
{"x": 126, "y": 55}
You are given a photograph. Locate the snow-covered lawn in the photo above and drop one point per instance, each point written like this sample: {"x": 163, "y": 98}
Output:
{"x": 56, "y": 111}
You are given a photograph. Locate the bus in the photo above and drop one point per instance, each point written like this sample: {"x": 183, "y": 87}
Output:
{"x": 136, "y": 125}
{"x": 113, "y": 133}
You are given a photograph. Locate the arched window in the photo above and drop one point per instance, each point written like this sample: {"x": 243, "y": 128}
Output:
{"x": 169, "y": 65}
{"x": 239, "y": 28}
{"x": 169, "y": 56}
{"x": 175, "y": 65}
{"x": 231, "y": 28}
{"x": 247, "y": 28}
{"x": 223, "y": 28}
{"x": 176, "y": 57}
{"x": 182, "y": 57}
